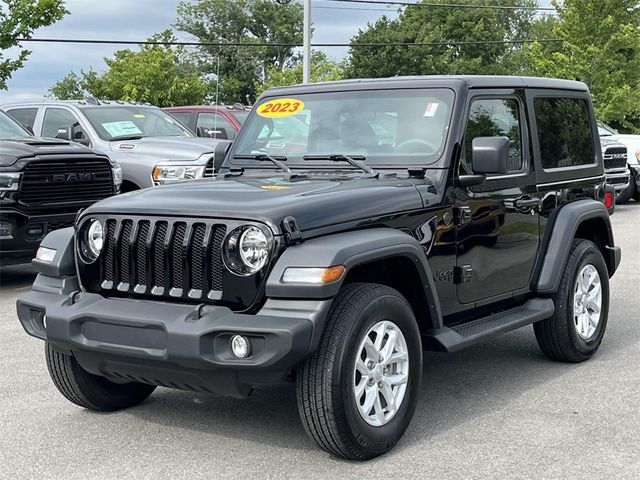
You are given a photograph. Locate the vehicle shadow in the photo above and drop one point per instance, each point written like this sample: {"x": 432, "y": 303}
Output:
{"x": 456, "y": 388}
{"x": 16, "y": 276}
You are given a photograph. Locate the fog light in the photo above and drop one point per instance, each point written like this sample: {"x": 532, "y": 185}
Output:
{"x": 240, "y": 346}
{"x": 6, "y": 229}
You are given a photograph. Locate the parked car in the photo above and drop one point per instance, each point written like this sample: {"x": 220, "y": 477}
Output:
{"x": 212, "y": 121}
{"x": 152, "y": 147}
{"x": 321, "y": 259}
{"x": 632, "y": 144}
{"x": 616, "y": 168}
{"x": 43, "y": 184}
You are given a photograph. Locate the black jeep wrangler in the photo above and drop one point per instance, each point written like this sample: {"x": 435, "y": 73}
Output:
{"x": 43, "y": 184}
{"x": 352, "y": 225}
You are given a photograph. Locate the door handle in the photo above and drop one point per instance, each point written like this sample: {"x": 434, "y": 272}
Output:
{"x": 526, "y": 202}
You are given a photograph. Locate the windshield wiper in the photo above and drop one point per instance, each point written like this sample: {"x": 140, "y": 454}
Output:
{"x": 355, "y": 160}
{"x": 263, "y": 157}
{"x": 126, "y": 137}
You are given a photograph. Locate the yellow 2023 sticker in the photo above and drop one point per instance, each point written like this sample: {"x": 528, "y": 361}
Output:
{"x": 281, "y": 107}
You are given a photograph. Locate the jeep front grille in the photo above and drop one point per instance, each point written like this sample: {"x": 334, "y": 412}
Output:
{"x": 172, "y": 258}
{"x": 615, "y": 158}
{"x": 54, "y": 182}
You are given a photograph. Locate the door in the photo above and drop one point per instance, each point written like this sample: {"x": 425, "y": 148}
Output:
{"x": 497, "y": 222}
{"x": 214, "y": 122}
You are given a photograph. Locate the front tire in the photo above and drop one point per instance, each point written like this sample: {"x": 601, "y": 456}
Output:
{"x": 627, "y": 193}
{"x": 575, "y": 331}
{"x": 352, "y": 404}
{"x": 92, "y": 391}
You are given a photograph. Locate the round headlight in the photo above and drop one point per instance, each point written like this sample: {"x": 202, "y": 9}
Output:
{"x": 92, "y": 240}
{"x": 246, "y": 250}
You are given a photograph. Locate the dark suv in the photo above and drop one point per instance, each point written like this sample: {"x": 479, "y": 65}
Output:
{"x": 380, "y": 218}
{"x": 43, "y": 184}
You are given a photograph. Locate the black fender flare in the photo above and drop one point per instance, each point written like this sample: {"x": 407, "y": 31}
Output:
{"x": 351, "y": 249}
{"x": 64, "y": 261}
{"x": 558, "y": 245}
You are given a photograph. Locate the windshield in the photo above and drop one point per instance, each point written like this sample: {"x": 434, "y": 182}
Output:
{"x": 9, "y": 128}
{"x": 387, "y": 127}
{"x": 131, "y": 121}
{"x": 605, "y": 130}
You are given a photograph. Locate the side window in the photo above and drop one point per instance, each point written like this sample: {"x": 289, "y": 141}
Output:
{"x": 213, "y": 121}
{"x": 564, "y": 132}
{"x": 24, "y": 116}
{"x": 183, "y": 117}
{"x": 55, "y": 118}
{"x": 495, "y": 118}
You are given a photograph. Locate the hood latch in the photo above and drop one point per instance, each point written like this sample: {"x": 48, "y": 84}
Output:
{"x": 292, "y": 234}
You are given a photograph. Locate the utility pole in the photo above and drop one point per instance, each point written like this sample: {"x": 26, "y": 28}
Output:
{"x": 306, "y": 43}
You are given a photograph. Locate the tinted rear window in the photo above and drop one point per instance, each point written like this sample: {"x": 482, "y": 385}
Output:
{"x": 564, "y": 132}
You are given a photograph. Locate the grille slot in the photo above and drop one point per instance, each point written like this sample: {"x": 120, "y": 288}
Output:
{"x": 615, "y": 158}
{"x": 209, "y": 169}
{"x": 178, "y": 259}
{"x": 77, "y": 181}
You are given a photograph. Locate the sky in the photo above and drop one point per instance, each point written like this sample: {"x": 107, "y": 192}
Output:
{"x": 138, "y": 20}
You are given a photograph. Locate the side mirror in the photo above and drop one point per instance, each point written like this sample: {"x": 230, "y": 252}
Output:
{"x": 219, "y": 154}
{"x": 29, "y": 129}
{"x": 65, "y": 133}
{"x": 490, "y": 155}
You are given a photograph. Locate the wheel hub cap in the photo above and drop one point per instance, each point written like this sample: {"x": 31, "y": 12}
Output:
{"x": 381, "y": 373}
{"x": 587, "y": 303}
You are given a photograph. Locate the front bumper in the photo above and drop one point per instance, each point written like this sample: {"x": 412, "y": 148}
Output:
{"x": 27, "y": 231}
{"x": 619, "y": 180}
{"x": 168, "y": 344}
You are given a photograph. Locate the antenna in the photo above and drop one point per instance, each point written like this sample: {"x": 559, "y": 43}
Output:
{"x": 215, "y": 114}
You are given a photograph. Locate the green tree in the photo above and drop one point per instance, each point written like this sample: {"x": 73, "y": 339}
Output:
{"x": 157, "y": 74}
{"x": 19, "y": 19}
{"x": 601, "y": 47}
{"x": 242, "y": 69}
{"x": 322, "y": 70}
{"x": 427, "y": 24}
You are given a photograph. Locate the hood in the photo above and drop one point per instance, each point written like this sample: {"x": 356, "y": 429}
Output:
{"x": 15, "y": 149}
{"x": 313, "y": 203}
{"x": 166, "y": 148}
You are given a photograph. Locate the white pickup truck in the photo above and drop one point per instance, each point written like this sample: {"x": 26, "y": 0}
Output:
{"x": 632, "y": 142}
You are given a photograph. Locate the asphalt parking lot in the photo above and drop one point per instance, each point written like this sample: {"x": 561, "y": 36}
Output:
{"x": 498, "y": 410}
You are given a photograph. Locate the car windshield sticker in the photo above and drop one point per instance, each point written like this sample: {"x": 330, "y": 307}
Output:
{"x": 118, "y": 129}
{"x": 432, "y": 107}
{"x": 281, "y": 107}
{"x": 138, "y": 115}
{"x": 274, "y": 187}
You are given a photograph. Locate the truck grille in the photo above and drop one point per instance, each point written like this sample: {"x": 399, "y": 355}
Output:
{"x": 165, "y": 258}
{"x": 615, "y": 158}
{"x": 209, "y": 169}
{"x": 78, "y": 181}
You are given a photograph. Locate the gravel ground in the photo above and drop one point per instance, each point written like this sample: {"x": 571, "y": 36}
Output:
{"x": 497, "y": 410}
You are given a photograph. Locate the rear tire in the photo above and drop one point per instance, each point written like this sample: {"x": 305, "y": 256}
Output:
{"x": 569, "y": 336}
{"x": 92, "y": 391}
{"x": 344, "y": 411}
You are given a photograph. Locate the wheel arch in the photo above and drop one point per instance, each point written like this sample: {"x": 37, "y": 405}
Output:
{"x": 378, "y": 255}
{"x": 587, "y": 219}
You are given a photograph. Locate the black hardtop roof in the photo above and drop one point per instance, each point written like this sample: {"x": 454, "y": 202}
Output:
{"x": 457, "y": 82}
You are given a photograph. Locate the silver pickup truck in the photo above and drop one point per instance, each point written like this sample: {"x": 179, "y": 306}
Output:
{"x": 151, "y": 146}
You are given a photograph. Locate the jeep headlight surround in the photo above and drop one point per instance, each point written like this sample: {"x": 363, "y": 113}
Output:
{"x": 168, "y": 173}
{"x": 91, "y": 240}
{"x": 246, "y": 250}
{"x": 9, "y": 181}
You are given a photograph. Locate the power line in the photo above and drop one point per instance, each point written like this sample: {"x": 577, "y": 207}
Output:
{"x": 445, "y": 5}
{"x": 287, "y": 45}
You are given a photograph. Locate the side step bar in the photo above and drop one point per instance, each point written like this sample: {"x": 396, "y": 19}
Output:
{"x": 451, "y": 339}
